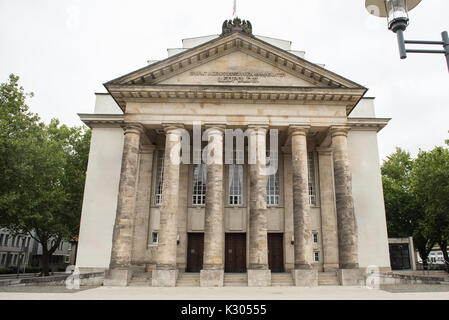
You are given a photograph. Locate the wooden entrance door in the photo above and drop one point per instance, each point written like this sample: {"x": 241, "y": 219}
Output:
{"x": 195, "y": 250}
{"x": 276, "y": 252}
{"x": 235, "y": 252}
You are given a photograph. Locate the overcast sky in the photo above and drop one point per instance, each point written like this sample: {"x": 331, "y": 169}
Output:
{"x": 64, "y": 50}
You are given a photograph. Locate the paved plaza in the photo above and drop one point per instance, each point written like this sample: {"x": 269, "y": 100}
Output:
{"x": 402, "y": 292}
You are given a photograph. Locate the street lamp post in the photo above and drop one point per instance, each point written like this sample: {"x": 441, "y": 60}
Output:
{"x": 396, "y": 12}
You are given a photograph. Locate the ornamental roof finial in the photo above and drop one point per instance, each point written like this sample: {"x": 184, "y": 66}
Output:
{"x": 230, "y": 26}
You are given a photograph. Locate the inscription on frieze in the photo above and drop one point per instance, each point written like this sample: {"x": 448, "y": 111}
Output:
{"x": 237, "y": 76}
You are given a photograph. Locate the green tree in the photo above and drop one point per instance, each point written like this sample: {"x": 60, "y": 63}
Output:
{"x": 402, "y": 209}
{"x": 404, "y": 212}
{"x": 42, "y": 173}
{"x": 430, "y": 183}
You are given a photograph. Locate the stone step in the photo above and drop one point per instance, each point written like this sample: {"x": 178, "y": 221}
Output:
{"x": 188, "y": 279}
{"x": 328, "y": 278}
{"x": 235, "y": 280}
{"x": 189, "y": 275}
{"x": 281, "y": 279}
{"x": 142, "y": 275}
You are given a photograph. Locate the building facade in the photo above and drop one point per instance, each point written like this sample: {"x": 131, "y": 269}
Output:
{"x": 321, "y": 211}
{"x": 21, "y": 250}
{"x": 15, "y": 250}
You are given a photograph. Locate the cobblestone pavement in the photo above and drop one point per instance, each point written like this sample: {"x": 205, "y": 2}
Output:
{"x": 412, "y": 292}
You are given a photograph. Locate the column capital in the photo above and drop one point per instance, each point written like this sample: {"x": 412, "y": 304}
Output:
{"x": 170, "y": 127}
{"x": 324, "y": 151}
{"x": 339, "y": 131}
{"x": 220, "y": 127}
{"x": 298, "y": 129}
{"x": 259, "y": 128}
{"x": 132, "y": 127}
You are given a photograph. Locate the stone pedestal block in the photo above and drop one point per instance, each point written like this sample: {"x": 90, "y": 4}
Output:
{"x": 259, "y": 278}
{"x": 351, "y": 277}
{"x": 211, "y": 278}
{"x": 164, "y": 278}
{"x": 305, "y": 278}
{"x": 118, "y": 277}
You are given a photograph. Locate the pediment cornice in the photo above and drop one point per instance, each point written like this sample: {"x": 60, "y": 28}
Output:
{"x": 236, "y": 94}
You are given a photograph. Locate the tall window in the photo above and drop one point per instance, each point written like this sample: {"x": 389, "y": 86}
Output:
{"x": 159, "y": 177}
{"x": 235, "y": 184}
{"x": 311, "y": 166}
{"x": 236, "y": 180}
{"x": 316, "y": 256}
{"x": 199, "y": 185}
{"x": 273, "y": 181}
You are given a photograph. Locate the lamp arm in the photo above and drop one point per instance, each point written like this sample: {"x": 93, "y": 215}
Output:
{"x": 403, "y": 51}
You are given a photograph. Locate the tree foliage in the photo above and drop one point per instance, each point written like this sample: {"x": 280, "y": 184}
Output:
{"x": 430, "y": 184}
{"x": 402, "y": 208}
{"x": 42, "y": 172}
{"x": 416, "y": 193}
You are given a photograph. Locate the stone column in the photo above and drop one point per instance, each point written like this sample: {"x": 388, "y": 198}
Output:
{"x": 349, "y": 273}
{"x": 212, "y": 274}
{"x": 329, "y": 233}
{"x": 166, "y": 272}
{"x": 120, "y": 271}
{"x": 304, "y": 274}
{"x": 258, "y": 272}
{"x": 140, "y": 255}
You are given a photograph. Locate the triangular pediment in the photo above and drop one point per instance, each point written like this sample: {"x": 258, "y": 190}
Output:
{"x": 237, "y": 68}
{"x": 246, "y": 56}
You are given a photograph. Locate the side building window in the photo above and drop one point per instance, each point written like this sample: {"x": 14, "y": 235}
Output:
{"x": 159, "y": 177}
{"x": 273, "y": 181}
{"x": 199, "y": 185}
{"x": 311, "y": 167}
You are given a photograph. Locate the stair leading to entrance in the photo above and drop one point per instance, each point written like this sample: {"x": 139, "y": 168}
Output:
{"x": 283, "y": 279}
{"x": 328, "y": 278}
{"x": 235, "y": 280}
{"x": 188, "y": 279}
{"x": 141, "y": 279}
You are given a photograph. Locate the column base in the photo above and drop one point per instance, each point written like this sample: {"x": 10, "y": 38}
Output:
{"x": 164, "y": 278}
{"x": 351, "y": 277}
{"x": 305, "y": 278}
{"x": 118, "y": 277}
{"x": 259, "y": 278}
{"x": 211, "y": 278}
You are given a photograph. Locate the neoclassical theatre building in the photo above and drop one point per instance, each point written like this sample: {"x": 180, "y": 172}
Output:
{"x": 318, "y": 219}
